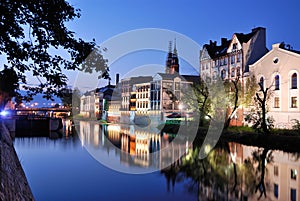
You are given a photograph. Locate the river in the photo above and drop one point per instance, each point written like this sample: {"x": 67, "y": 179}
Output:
{"x": 117, "y": 162}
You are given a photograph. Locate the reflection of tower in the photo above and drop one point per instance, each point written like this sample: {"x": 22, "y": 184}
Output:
{"x": 172, "y": 63}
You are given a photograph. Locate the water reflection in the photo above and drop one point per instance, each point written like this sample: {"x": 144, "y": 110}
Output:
{"x": 236, "y": 172}
{"x": 135, "y": 149}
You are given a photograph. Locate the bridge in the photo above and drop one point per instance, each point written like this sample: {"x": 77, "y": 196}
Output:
{"x": 51, "y": 112}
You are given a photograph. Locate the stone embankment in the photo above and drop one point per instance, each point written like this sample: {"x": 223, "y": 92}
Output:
{"x": 13, "y": 182}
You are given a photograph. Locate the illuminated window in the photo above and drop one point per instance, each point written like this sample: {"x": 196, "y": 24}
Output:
{"x": 276, "y": 102}
{"x": 294, "y": 81}
{"x": 277, "y": 82}
{"x": 294, "y": 102}
{"x": 293, "y": 174}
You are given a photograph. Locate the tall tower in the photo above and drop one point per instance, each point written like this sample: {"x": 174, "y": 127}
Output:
{"x": 175, "y": 63}
{"x": 169, "y": 59}
{"x": 172, "y": 63}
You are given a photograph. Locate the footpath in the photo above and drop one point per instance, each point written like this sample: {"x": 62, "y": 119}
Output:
{"x": 13, "y": 182}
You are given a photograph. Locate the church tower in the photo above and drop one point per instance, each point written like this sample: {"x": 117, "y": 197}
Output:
{"x": 172, "y": 63}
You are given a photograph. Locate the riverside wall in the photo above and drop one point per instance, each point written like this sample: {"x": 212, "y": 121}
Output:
{"x": 13, "y": 182}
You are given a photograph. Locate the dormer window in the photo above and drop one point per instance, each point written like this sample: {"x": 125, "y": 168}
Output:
{"x": 234, "y": 47}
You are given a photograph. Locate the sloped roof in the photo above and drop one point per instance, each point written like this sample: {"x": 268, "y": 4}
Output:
{"x": 192, "y": 78}
{"x": 215, "y": 51}
{"x": 244, "y": 38}
{"x": 166, "y": 76}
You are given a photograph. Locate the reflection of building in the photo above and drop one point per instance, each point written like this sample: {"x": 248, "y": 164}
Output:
{"x": 282, "y": 175}
{"x": 135, "y": 146}
{"x": 279, "y": 70}
{"x": 281, "y": 179}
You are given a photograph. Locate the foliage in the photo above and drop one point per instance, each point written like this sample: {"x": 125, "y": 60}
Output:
{"x": 296, "y": 125}
{"x": 32, "y": 39}
{"x": 258, "y": 112}
{"x": 249, "y": 91}
{"x": 71, "y": 99}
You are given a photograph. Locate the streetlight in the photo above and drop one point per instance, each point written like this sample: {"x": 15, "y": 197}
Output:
{"x": 181, "y": 107}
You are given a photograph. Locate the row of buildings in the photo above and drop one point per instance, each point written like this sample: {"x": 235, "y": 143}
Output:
{"x": 242, "y": 56}
{"x": 159, "y": 95}
{"x": 245, "y": 55}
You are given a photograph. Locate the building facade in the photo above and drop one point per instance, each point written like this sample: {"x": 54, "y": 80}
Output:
{"x": 279, "y": 70}
{"x": 232, "y": 58}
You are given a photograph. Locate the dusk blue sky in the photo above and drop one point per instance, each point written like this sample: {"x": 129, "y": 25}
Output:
{"x": 200, "y": 21}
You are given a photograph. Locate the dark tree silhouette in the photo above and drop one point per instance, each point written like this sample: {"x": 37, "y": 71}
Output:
{"x": 33, "y": 35}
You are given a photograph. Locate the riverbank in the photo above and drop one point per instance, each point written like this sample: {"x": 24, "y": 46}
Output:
{"x": 13, "y": 182}
{"x": 283, "y": 140}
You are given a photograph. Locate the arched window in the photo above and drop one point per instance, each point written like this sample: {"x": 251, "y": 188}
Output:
{"x": 223, "y": 74}
{"x": 277, "y": 82}
{"x": 294, "y": 81}
{"x": 261, "y": 82}
{"x": 232, "y": 72}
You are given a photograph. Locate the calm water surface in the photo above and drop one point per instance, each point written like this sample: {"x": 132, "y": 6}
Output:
{"x": 70, "y": 167}
{"x": 63, "y": 169}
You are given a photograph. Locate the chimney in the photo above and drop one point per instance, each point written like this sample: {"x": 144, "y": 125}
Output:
{"x": 223, "y": 41}
{"x": 117, "y": 78}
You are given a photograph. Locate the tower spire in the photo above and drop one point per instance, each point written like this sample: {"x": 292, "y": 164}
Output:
{"x": 170, "y": 46}
{"x": 175, "y": 50}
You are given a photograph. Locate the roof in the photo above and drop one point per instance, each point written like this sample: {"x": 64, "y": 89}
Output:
{"x": 166, "y": 76}
{"x": 215, "y": 50}
{"x": 192, "y": 78}
{"x": 288, "y": 48}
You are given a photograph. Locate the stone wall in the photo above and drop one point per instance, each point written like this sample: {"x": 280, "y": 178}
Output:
{"x": 13, "y": 182}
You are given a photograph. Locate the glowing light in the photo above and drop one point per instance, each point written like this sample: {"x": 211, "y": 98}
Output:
{"x": 4, "y": 113}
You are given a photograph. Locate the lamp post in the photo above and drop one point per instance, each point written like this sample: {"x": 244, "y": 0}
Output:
{"x": 181, "y": 107}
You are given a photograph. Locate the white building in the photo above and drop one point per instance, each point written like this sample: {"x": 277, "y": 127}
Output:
{"x": 279, "y": 70}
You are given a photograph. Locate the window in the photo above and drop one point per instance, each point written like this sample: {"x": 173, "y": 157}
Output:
{"x": 294, "y": 81}
{"x": 276, "y": 190}
{"x": 238, "y": 71}
{"x": 215, "y": 75}
{"x": 223, "y": 74}
{"x": 293, "y": 194}
{"x": 294, "y": 102}
{"x": 261, "y": 82}
{"x": 232, "y": 72}
{"x": 225, "y": 61}
{"x": 234, "y": 46}
{"x": 277, "y": 82}
{"x": 177, "y": 85}
{"x": 276, "y": 102}
{"x": 239, "y": 56}
{"x": 293, "y": 174}
{"x": 275, "y": 170}
{"x": 232, "y": 59}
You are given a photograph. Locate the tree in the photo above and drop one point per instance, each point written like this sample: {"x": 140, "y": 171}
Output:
{"x": 258, "y": 114}
{"x": 71, "y": 99}
{"x": 32, "y": 38}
